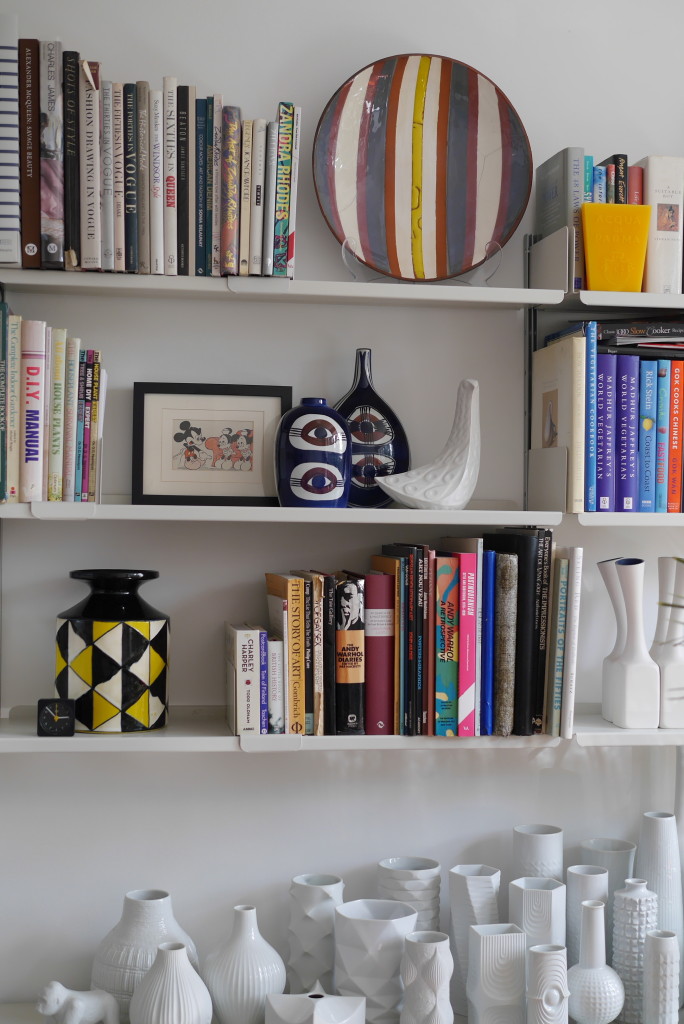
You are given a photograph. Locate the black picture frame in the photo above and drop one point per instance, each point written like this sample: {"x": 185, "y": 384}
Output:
{"x": 205, "y": 444}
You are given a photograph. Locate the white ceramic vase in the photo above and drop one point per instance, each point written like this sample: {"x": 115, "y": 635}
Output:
{"x": 128, "y": 951}
{"x": 315, "y": 1007}
{"x": 474, "y": 899}
{"x": 618, "y": 856}
{"x": 416, "y": 881}
{"x": 596, "y": 990}
{"x": 426, "y": 967}
{"x": 658, "y": 861}
{"x": 635, "y": 690}
{"x": 610, "y": 578}
{"x": 537, "y": 905}
{"x": 369, "y": 945}
{"x": 496, "y": 974}
{"x": 547, "y": 985}
{"x": 635, "y": 912}
{"x": 172, "y": 990}
{"x": 538, "y": 851}
{"x": 313, "y": 899}
{"x": 582, "y": 882}
{"x": 661, "y": 978}
{"x": 243, "y": 971}
{"x": 670, "y": 654}
{"x": 666, "y": 581}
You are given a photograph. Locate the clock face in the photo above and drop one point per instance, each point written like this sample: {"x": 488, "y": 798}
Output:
{"x": 56, "y": 717}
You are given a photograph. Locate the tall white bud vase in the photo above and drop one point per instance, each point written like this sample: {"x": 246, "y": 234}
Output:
{"x": 670, "y": 653}
{"x": 635, "y": 913}
{"x": 658, "y": 861}
{"x": 243, "y": 971}
{"x": 426, "y": 967}
{"x": 547, "y": 985}
{"x": 474, "y": 899}
{"x": 496, "y": 974}
{"x": 617, "y": 855}
{"x": 610, "y": 578}
{"x": 172, "y": 990}
{"x": 635, "y": 692}
{"x": 582, "y": 882}
{"x": 661, "y": 978}
{"x": 313, "y": 899}
{"x": 596, "y": 990}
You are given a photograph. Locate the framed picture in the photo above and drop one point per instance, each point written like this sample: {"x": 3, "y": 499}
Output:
{"x": 205, "y": 444}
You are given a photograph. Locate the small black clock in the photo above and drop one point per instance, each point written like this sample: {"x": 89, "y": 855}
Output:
{"x": 56, "y": 716}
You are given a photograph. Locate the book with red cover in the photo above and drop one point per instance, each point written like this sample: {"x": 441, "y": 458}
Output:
{"x": 379, "y": 653}
{"x": 674, "y": 458}
{"x": 29, "y": 151}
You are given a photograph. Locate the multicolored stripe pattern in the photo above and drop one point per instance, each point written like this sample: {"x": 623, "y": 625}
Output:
{"x": 419, "y": 162}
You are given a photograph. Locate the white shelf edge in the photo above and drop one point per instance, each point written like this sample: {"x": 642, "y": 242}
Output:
{"x": 621, "y": 300}
{"x": 591, "y": 730}
{"x": 630, "y": 519}
{"x": 119, "y": 285}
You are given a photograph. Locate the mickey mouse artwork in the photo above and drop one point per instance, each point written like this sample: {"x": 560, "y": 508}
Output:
{"x": 213, "y": 445}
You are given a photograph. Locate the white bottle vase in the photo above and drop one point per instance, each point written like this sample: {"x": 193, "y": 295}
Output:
{"x": 610, "y": 578}
{"x": 658, "y": 861}
{"x": 661, "y": 978}
{"x": 618, "y": 856}
{"x": 538, "y": 851}
{"x": 313, "y": 899}
{"x": 596, "y": 990}
{"x": 547, "y": 985}
{"x": 635, "y": 692}
{"x": 172, "y": 990}
{"x": 635, "y": 912}
{"x": 582, "y": 882}
{"x": 474, "y": 899}
{"x": 670, "y": 654}
{"x": 537, "y": 905}
{"x": 426, "y": 967}
{"x": 496, "y": 974}
{"x": 242, "y": 972}
{"x": 128, "y": 951}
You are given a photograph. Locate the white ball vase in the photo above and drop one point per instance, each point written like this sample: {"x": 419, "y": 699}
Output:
{"x": 596, "y": 990}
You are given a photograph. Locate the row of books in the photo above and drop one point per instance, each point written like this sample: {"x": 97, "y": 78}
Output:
{"x": 127, "y": 178}
{"x": 610, "y": 395}
{"x": 476, "y": 636}
{"x": 571, "y": 178}
{"x": 52, "y": 400}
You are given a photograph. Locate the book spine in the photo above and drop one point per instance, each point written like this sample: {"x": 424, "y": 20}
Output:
{"x": 216, "y": 166}
{"x": 488, "y": 608}
{"x": 662, "y": 434}
{"x": 230, "y": 190}
{"x": 590, "y": 418}
{"x": 131, "y": 176}
{"x": 118, "y": 151}
{"x": 256, "y": 212}
{"x": 664, "y": 193}
{"x": 430, "y": 644}
{"x": 558, "y": 646}
{"x": 192, "y": 178}
{"x": 89, "y": 254}
{"x": 29, "y": 151}
{"x": 94, "y": 430}
{"x": 627, "y": 483}
{"x": 107, "y": 179}
{"x": 648, "y": 411}
{"x": 571, "y": 641}
{"x": 379, "y": 654}
{"x": 80, "y": 412}
{"x": 294, "y": 177}
{"x": 47, "y": 376}
{"x": 10, "y": 174}
{"x": 620, "y": 161}
{"x": 209, "y": 208}
{"x": 308, "y": 659}
{"x": 283, "y": 188}
{"x": 599, "y": 185}
{"x": 544, "y": 573}
{"x": 588, "y": 179}
{"x": 270, "y": 172}
{"x": 56, "y": 418}
{"x": 674, "y": 475}
{"x": 420, "y": 697}
{"x": 610, "y": 183}
{"x": 505, "y": 623}
{"x": 467, "y": 642}
{"x": 446, "y": 629}
{"x": 263, "y": 682}
{"x": 349, "y": 649}
{"x": 4, "y": 338}
{"x": 183, "y": 198}
{"x": 13, "y": 406}
{"x": 156, "y": 181}
{"x": 201, "y": 187}
{"x": 317, "y": 616}
{"x": 51, "y": 156}
{"x": 72, "y": 193}
{"x": 245, "y": 196}
{"x": 296, "y": 676}
{"x": 87, "y": 419}
{"x": 276, "y": 722}
{"x": 243, "y": 651}
{"x": 635, "y": 185}
{"x": 70, "y": 416}
{"x": 143, "y": 141}
{"x": 170, "y": 176}
{"x": 605, "y": 431}
{"x": 329, "y": 657}
{"x": 33, "y": 334}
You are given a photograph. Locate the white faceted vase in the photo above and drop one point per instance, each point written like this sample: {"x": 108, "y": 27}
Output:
{"x": 496, "y": 974}
{"x": 635, "y": 913}
{"x": 610, "y": 578}
{"x": 596, "y": 990}
{"x": 635, "y": 691}
{"x": 171, "y": 991}
{"x": 474, "y": 899}
{"x": 547, "y": 984}
{"x": 582, "y": 882}
{"x": 426, "y": 967}
{"x": 243, "y": 971}
{"x": 617, "y": 855}
{"x": 315, "y": 1007}
{"x": 669, "y": 654}
{"x": 538, "y": 851}
{"x": 537, "y": 905}
{"x": 313, "y": 899}
{"x": 661, "y": 978}
{"x": 128, "y": 951}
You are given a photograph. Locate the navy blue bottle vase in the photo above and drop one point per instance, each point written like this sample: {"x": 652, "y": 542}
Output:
{"x": 379, "y": 442}
{"x": 313, "y": 456}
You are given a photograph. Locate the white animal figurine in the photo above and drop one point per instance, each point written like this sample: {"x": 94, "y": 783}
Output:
{"x": 66, "y": 1006}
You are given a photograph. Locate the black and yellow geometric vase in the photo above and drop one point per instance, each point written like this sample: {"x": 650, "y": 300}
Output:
{"x": 113, "y": 654}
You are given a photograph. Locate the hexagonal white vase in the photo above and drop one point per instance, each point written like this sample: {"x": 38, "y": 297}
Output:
{"x": 537, "y": 905}
{"x": 496, "y": 974}
{"x": 474, "y": 899}
{"x": 635, "y": 689}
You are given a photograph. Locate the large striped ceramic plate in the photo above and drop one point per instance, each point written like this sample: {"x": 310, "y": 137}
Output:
{"x": 419, "y": 162}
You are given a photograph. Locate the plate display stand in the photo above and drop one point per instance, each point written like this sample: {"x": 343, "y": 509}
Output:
{"x": 479, "y": 277}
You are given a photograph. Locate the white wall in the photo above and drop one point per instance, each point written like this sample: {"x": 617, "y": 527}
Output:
{"x": 78, "y": 831}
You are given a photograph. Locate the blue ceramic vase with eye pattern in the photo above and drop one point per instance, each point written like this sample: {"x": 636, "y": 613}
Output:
{"x": 313, "y": 456}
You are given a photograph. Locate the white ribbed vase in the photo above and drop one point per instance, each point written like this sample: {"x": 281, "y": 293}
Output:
{"x": 243, "y": 971}
{"x": 496, "y": 974}
{"x": 313, "y": 899}
{"x": 582, "y": 882}
{"x": 538, "y": 851}
{"x": 596, "y": 990}
{"x": 474, "y": 899}
{"x": 547, "y": 985}
{"x": 537, "y": 905}
{"x": 426, "y": 967}
{"x": 171, "y": 991}
{"x": 635, "y": 912}
{"x": 661, "y": 978}
{"x": 128, "y": 951}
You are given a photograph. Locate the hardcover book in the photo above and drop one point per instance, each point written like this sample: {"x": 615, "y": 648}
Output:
{"x": 70, "y": 417}
{"x": 243, "y": 655}
{"x": 290, "y": 588}
{"x": 89, "y": 252}
{"x": 107, "y": 178}
{"x": 470, "y": 551}
{"x": 395, "y": 565}
{"x": 379, "y": 653}
{"x": 276, "y": 669}
{"x": 414, "y": 635}
{"x": 350, "y": 661}
{"x": 283, "y": 188}
{"x": 263, "y": 675}
{"x": 130, "y": 120}
{"x": 230, "y": 190}
{"x": 674, "y": 475}
{"x": 559, "y": 198}
{"x": 55, "y": 454}
{"x": 80, "y": 412}
{"x": 51, "y": 156}
{"x": 72, "y": 191}
{"x": 605, "y": 431}
{"x": 316, "y": 668}
{"x": 294, "y": 178}
{"x": 590, "y": 417}
{"x": 10, "y": 201}
{"x": 646, "y": 444}
{"x": 29, "y": 151}
{"x": 662, "y": 435}
{"x": 277, "y": 625}
{"x": 557, "y": 646}
{"x": 664, "y": 193}
{"x": 505, "y": 633}
{"x": 618, "y": 163}
{"x": 14, "y": 408}
{"x": 270, "y": 173}
{"x": 170, "y": 176}
{"x": 245, "y": 196}
{"x": 215, "y": 168}
{"x": 33, "y": 383}
{"x": 118, "y": 177}
{"x": 183, "y": 193}
{"x": 156, "y": 122}
{"x": 446, "y": 628}
{"x": 488, "y": 633}
{"x": 201, "y": 187}
{"x": 626, "y": 436}
{"x": 4, "y": 341}
{"x": 143, "y": 109}
{"x": 256, "y": 203}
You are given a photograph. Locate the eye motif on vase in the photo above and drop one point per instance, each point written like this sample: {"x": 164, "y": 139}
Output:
{"x": 313, "y": 456}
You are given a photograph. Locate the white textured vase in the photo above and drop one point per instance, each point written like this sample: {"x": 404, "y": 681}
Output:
{"x": 661, "y": 978}
{"x": 537, "y": 905}
{"x": 313, "y": 899}
{"x": 242, "y": 972}
{"x": 596, "y": 990}
{"x": 538, "y": 851}
{"x": 426, "y": 967}
{"x": 474, "y": 899}
{"x": 618, "y": 856}
{"x": 610, "y": 578}
{"x": 669, "y": 654}
{"x": 128, "y": 951}
{"x": 635, "y": 912}
{"x": 547, "y": 985}
{"x": 171, "y": 991}
{"x": 635, "y": 691}
{"x": 315, "y": 1007}
{"x": 369, "y": 945}
{"x": 582, "y": 882}
{"x": 658, "y": 861}
{"x": 496, "y": 974}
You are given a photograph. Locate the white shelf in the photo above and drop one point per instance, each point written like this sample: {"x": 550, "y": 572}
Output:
{"x": 620, "y": 300}
{"x": 591, "y": 730}
{"x": 654, "y": 519}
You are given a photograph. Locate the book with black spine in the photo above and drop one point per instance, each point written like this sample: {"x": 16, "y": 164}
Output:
{"x": 131, "y": 176}
{"x": 143, "y": 111}
{"x": 118, "y": 156}
{"x": 72, "y": 194}
{"x": 214, "y": 168}
{"x": 329, "y": 719}
{"x": 201, "y": 187}
{"x": 349, "y": 646}
{"x": 90, "y": 154}
{"x": 107, "y": 178}
{"x": 29, "y": 151}
{"x": 51, "y": 156}
{"x": 183, "y": 198}
{"x": 414, "y": 635}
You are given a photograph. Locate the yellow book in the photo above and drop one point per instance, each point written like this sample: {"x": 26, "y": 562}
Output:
{"x": 288, "y": 587}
